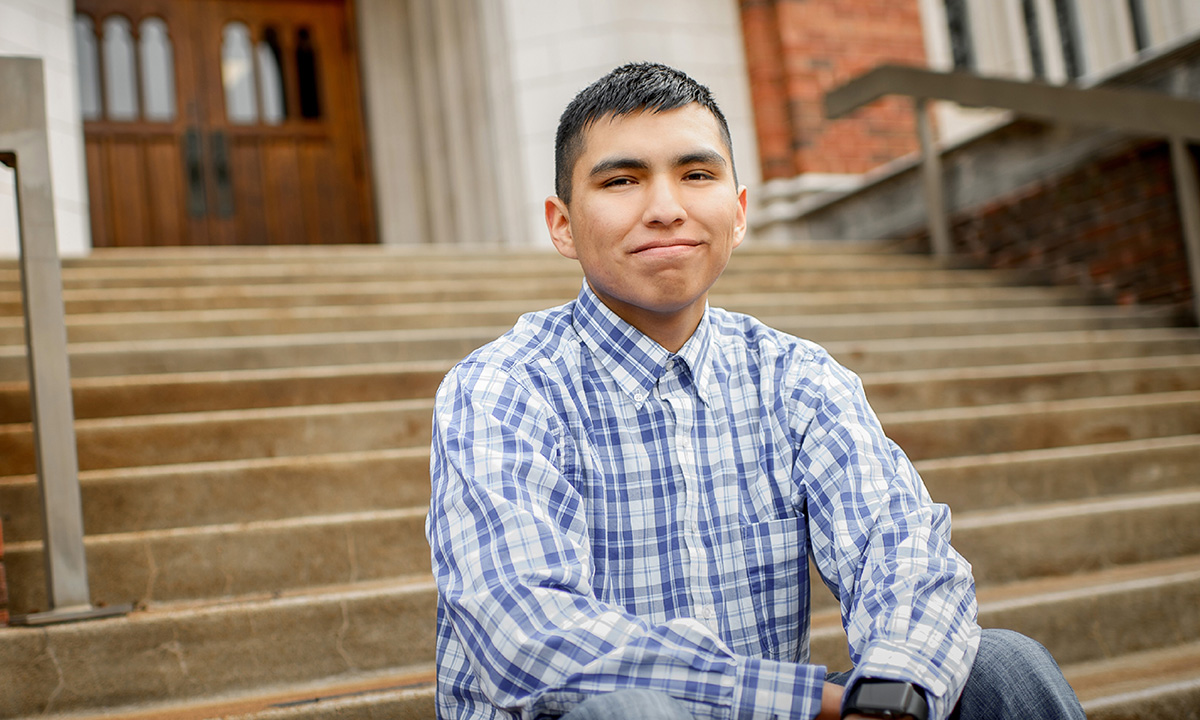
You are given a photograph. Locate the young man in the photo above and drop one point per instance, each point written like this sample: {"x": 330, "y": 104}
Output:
{"x": 626, "y": 488}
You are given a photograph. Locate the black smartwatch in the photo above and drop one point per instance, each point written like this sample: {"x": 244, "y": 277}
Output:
{"x": 886, "y": 699}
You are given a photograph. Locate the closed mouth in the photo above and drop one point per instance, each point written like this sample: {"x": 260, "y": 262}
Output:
{"x": 661, "y": 244}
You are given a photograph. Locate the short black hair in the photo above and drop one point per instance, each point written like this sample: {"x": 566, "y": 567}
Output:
{"x": 631, "y": 88}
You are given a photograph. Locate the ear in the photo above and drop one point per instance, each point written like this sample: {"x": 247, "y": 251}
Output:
{"x": 558, "y": 222}
{"x": 739, "y": 223}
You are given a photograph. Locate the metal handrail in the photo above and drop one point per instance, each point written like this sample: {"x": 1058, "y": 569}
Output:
{"x": 1131, "y": 110}
{"x": 24, "y": 147}
{"x": 1128, "y": 109}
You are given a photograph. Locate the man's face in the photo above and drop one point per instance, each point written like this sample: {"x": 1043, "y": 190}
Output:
{"x": 654, "y": 215}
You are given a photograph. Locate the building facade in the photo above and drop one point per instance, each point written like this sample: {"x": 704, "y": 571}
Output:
{"x": 431, "y": 121}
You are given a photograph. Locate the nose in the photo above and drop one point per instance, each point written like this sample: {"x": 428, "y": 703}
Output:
{"x": 664, "y": 206}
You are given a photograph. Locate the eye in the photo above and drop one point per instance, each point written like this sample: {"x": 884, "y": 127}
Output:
{"x": 617, "y": 182}
{"x": 698, "y": 175}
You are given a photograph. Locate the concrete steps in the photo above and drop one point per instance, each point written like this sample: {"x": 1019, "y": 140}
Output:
{"x": 253, "y": 430}
{"x": 353, "y": 348}
{"x": 382, "y": 292}
{"x": 120, "y": 396}
{"x": 183, "y": 651}
{"x": 837, "y": 322}
{"x": 275, "y": 431}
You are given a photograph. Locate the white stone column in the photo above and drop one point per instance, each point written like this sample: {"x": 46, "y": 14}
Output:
{"x": 392, "y": 120}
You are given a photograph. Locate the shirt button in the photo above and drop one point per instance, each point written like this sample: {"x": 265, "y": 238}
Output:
{"x": 639, "y": 396}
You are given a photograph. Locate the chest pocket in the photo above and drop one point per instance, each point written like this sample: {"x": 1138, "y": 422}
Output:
{"x": 777, "y": 570}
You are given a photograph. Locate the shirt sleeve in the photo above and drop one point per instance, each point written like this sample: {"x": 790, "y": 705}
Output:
{"x": 513, "y": 566}
{"x": 881, "y": 544}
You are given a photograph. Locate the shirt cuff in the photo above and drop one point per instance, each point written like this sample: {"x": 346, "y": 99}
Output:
{"x": 772, "y": 689}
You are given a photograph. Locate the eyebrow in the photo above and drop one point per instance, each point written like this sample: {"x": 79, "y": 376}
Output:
{"x": 631, "y": 163}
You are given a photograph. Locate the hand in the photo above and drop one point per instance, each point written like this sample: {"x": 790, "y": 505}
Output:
{"x": 831, "y": 702}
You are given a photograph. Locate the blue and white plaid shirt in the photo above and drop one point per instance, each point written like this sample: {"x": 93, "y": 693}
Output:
{"x": 606, "y": 514}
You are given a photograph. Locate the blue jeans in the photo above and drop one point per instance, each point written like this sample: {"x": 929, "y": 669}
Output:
{"x": 1014, "y": 678}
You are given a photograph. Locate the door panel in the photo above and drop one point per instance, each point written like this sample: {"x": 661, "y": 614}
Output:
{"x": 308, "y": 143}
{"x": 265, "y": 144}
{"x": 136, "y": 165}
{"x": 164, "y": 182}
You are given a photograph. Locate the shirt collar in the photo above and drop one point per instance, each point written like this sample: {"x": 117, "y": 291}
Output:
{"x": 696, "y": 353}
{"x": 634, "y": 360}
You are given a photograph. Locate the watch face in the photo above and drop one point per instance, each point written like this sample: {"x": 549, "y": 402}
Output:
{"x": 882, "y": 699}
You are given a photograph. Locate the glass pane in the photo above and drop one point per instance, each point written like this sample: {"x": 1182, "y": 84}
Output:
{"x": 1068, "y": 28}
{"x": 88, "y": 57}
{"x": 270, "y": 78}
{"x": 1141, "y": 32}
{"x": 306, "y": 70}
{"x": 158, "y": 70}
{"x": 120, "y": 69}
{"x": 961, "y": 47}
{"x": 1033, "y": 31}
{"x": 237, "y": 73}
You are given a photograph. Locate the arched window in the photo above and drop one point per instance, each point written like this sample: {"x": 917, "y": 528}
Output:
{"x": 158, "y": 70}
{"x": 237, "y": 74}
{"x": 120, "y": 70}
{"x": 87, "y": 56}
{"x": 306, "y": 71}
{"x": 270, "y": 78}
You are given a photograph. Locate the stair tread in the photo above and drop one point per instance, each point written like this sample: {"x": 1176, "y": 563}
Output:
{"x": 884, "y": 314}
{"x": 1134, "y": 672}
{"x": 1115, "y": 403}
{"x": 1050, "y": 512}
{"x": 265, "y": 602}
{"x": 195, "y": 418}
{"x": 1148, "y": 574}
{"x": 963, "y": 521}
{"x": 1067, "y": 452}
{"x": 1035, "y": 369}
{"x": 907, "y": 344}
{"x": 546, "y": 292}
{"x": 981, "y": 373}
{"x": 1183, "y": 398}
{"x": 1050, "y": 589}
{"x": 265, "y": 699}
{"x": 236, "y": 529}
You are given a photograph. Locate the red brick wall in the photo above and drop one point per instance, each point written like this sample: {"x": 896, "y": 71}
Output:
{"x": 1112, "y": 225}
{"x": 797, "y": 50}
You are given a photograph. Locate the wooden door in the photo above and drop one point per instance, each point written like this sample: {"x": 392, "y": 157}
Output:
{"x": 257, "y": 140}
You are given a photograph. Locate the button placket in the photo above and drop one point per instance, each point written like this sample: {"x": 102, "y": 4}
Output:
{"x": 683, "y": 406}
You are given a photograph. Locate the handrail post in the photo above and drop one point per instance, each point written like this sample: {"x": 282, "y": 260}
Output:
{"x": 1187, "y": 194}
{"x": 933, "y": 186}
{"x": 24, "y": 146}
